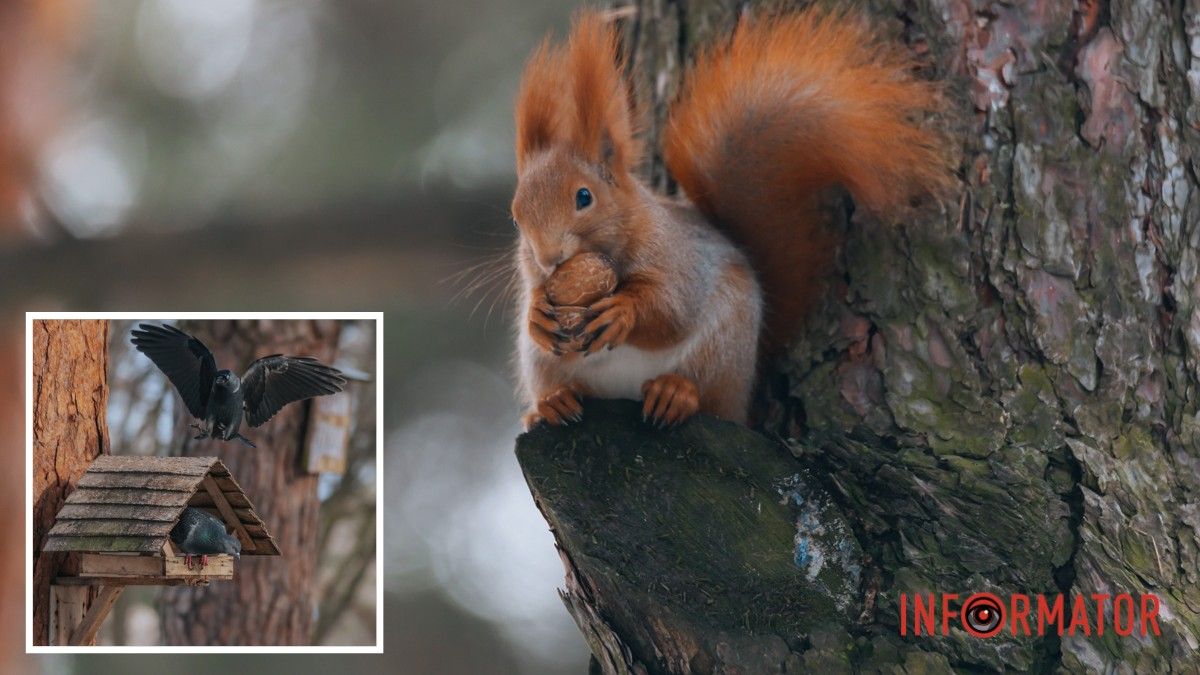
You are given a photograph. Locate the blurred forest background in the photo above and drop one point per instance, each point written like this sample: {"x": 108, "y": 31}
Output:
{"x": 173, "y": 155}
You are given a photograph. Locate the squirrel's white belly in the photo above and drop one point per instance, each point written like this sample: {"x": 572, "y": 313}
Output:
{"x": 620, "y": 373}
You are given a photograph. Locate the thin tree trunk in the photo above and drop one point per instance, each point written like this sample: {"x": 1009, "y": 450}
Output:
{"x": 271, "y": 600}
{"x": 1003, "y": 398}
{"x": 70, "y": 394}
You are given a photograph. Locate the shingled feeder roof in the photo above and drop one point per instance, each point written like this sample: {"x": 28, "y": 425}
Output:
{"x": 128, "y": 504}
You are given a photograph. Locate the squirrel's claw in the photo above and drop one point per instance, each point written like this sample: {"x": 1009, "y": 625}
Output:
{"x": 669, "y": 399}
{"x": 542, "y": 338}
{"x": 543, "y": 327}
{"x": 559, "y": 407}
{"x": 615, "y": 318}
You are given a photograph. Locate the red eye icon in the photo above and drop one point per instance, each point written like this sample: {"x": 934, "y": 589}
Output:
{"x": 983, "y": 615}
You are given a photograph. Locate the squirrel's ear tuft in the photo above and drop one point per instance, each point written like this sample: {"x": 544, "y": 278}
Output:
{"x": 539, "y": 113}
{"x": 602, "y": 127}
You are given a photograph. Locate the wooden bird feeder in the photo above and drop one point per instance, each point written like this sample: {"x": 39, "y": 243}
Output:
{"x": 119, "y": 520}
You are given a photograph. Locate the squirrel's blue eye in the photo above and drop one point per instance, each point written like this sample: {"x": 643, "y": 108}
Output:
{"x": 583, "y": 199}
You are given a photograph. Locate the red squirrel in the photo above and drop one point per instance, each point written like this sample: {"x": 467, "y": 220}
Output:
{"x": 789, "y": 106}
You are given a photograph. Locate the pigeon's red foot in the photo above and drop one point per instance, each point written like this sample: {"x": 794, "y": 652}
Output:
{"x": 187, "y": 560}
{"x": 203, "y": 561}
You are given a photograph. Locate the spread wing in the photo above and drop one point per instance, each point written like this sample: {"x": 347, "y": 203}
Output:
{"x": 275, "y": 381}
{"x": 185, "y": 361}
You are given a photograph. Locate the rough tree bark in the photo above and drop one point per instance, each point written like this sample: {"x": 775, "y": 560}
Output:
{"x": 70, "y": 394}
{"x": 1004, "y": 397}
{"x": 271, "y": 599}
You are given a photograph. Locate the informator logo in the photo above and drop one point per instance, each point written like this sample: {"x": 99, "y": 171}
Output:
{"x": 985, "y": 615}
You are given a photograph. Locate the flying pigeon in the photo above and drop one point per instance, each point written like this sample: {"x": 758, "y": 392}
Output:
{"x": 201, "y": 533}
{"x": 219, "y": 398}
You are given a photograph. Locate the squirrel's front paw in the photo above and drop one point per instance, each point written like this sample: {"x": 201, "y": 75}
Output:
{"x": 669, "y": 400}
{"x": 558, "y": 407}
{"x": 531, "y": 419}
{"x": 543, "y": 326}
{"x": 615, "y": 318}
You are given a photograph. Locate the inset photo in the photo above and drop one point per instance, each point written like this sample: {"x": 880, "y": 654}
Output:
{"x": 204, "y": 482}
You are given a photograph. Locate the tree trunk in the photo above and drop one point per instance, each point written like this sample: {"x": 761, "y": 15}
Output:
{"x": 1002, "y": 398}
{"x": 271, "y": 600}
{"x": 70, "y": 394}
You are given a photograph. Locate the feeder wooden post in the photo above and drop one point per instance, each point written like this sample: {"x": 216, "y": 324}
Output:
{"x": 84, "y": 633}
{"x": 68, "y": 604}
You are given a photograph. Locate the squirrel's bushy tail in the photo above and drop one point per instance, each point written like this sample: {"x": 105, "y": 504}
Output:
{"x": 789, "y": 106}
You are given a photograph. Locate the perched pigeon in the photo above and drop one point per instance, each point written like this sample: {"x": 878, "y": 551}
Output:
{"x": 218, "y": 397}
{"x": 201, "y": 533}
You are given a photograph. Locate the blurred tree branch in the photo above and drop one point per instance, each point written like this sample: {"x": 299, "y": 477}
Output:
{"x": 352, "y": 243}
